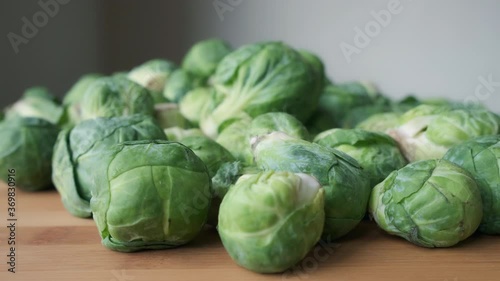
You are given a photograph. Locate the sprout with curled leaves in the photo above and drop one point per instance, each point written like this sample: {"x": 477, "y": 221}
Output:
{"x": 428, "y": 131}
{"x": 346, "y": 184}
{"x": 204, "y": 56}
{"x": 431, "y": 203}
{"x": 270, "y": 220}
{"x": 481, "y": 157}
{"x": 377, "y": 153}
{"x": 153, "y": 75}
{"x": 26, "y": 145}
{"x": 260, "y": 78}
{"x": 80, "y": 151}
{"x": 115, "y": 96}
{"x": 37, "y": 102}
{"x": 158, "y": 201}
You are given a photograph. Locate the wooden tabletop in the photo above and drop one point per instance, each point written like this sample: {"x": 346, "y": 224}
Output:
{"x": 53, "y": 245}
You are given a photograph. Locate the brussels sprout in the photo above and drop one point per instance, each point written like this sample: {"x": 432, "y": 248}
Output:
{"x": 235, "y": 139}
{"x": 73, "y": 98}
{"x": 481, "y": 157}
{"x": 427, "y": 131}
{"x": 26, "y": 146}
{"x": 75, "y": 94}
{"x": 431, "y": 203}
{"x": 214, "y": 156}
{"x": 346, "y": 185}
{"x": 377, "y": 153}
{"x": 79, "y": 152}
{"x": 203, "y": 57}
{"x": 37, "y": 102}
{"x": 209, "y": 151}
{"x": 177, "y": 133}
{"x": 180, "y": 83}
{"x": 160, "y": 200}
{"x": 261, "y": 78}
{"x": 269, "y": 221}
{"x": 380, "y": 122}
{"x": 278, "y": 122}
{"x": 116, "y": 96}
{"x": 168, "y": 115}
{"x": 153, "y": 75}
{"x": 198, "y": 103}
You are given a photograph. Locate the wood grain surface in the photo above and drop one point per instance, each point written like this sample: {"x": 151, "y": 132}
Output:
{"x": 53, "y": 245}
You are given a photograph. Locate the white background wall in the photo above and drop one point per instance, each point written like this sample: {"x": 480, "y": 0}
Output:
{"x": 430, "y": 48}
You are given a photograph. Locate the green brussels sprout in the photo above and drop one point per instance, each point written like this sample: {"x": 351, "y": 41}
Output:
{"x": 168, "y": 115}
{"x": 37, "y": 102}
{"x": 73, "y": 99}
{"x": 377, "y": 153}
{"x": 481, "y": 157}
{"x": 198, "y": 103}
{"x": 346, "y": 185}
{"x": 427, "y": 131}
{"x": 209, "y": 151}
{"x": 153, "y": 75}
{"x": 261, "y": 78}
{"x": 380, "y": 122}
{"x": 26, "y": 146}
{"x": 160, "y": 200}
{"x": 115, "y": 96}
{"x": 79, "y": 151}
{"x": 180, "y": 83}
{"x": 269, "y": 221}
{"x": 203, "y": 57}
{"x": 75, "y": 94}
{"x": 177, "y": 133}
{"x": 235, "y": 139}
{"x": 278, "y": 122}
{"x": 431, "y": 203}
{"x": 214, "y": 156}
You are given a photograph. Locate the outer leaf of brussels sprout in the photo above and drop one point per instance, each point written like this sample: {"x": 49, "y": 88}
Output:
{"x": 198, "y": 103}
{"x": 26, "y": 145}
{"x": 180, "y": 83}
{"x": 73, "y": 98}
{"x": 377, "y": 153}
{"x": 427, "y": 132}
{"x": 262, "y": 215}
{"x": 75, "y": 94}
{"x": 116, "y": 96}
{"x": 209, "y": 151}
{"x": 203, "y": 57}
{"x": 80, "y": 153}
{"x": 235, "y": 139}
{"x": 178, "y": 134}
{"x": 431, "y": 203}
{"x": 481, "y": 157}
{"x": 346, "y": 185}
{"x": 261, "y": 78}
{"x": 160, "y": 200}
{"x": 278, "y": 122}
{"x": 64, "y": 178}
{"x": 381, "y": 122}
{"x": 168, "y": 115}
{"x": 37, "y": 102}
{"x": 153, "y": 75}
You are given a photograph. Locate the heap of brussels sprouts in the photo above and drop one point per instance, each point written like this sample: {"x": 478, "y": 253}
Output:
{"x": 259, "y": 143}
